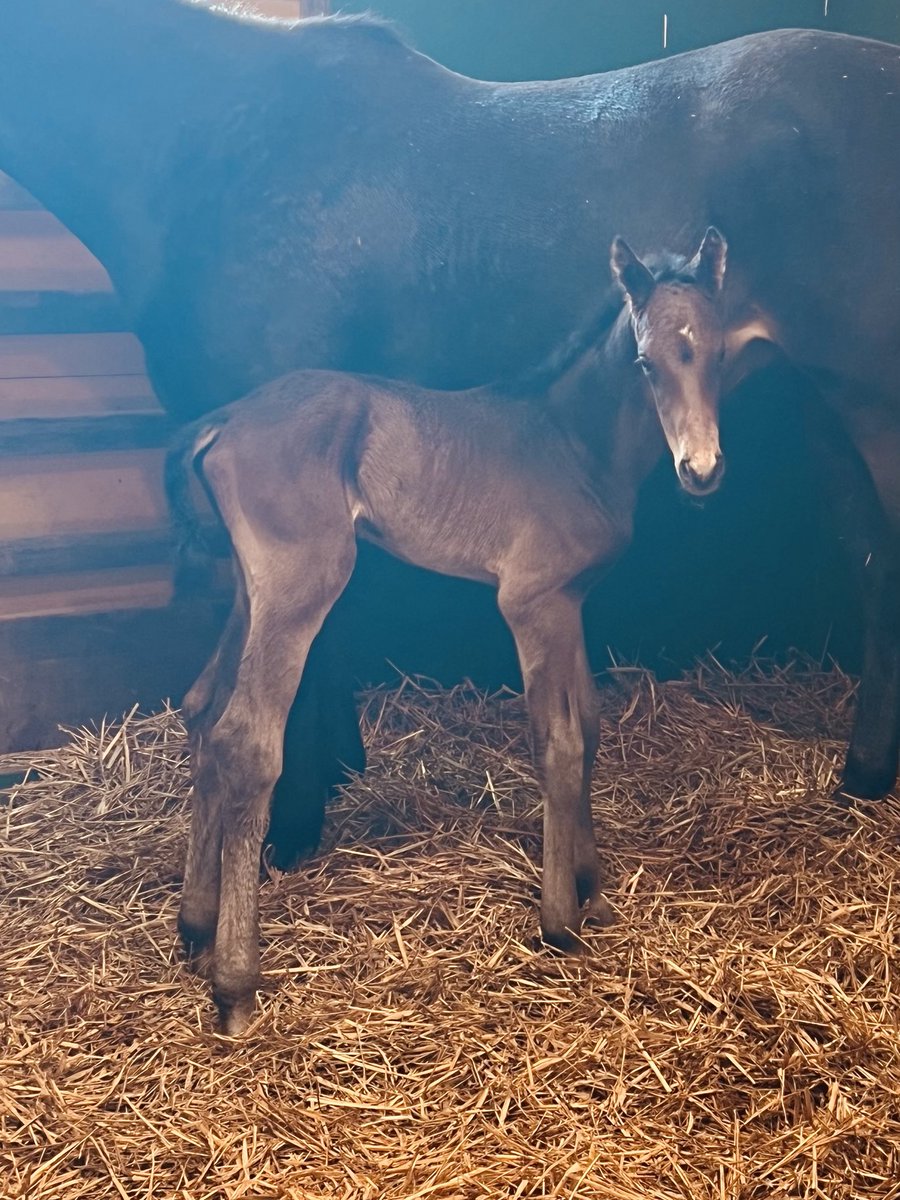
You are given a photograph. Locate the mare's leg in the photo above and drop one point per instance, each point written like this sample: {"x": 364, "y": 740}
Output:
{"x": 322, "y": 742}
{"x": 563, "y": 714}
{"x": 870, "y": 770}
{"x": 870, "y": 519}
{"x": 322, "y": 749}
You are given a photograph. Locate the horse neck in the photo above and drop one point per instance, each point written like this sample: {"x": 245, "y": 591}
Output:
{"x": 94, "y": 94}
{"x": 600, "y": 403}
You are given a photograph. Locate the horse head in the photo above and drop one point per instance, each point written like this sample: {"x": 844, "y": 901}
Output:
{"x": 679, "y": 333}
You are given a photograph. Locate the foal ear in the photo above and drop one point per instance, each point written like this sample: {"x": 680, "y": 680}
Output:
{"x": 630, "y": 273}
{"x": 708, "y": 264}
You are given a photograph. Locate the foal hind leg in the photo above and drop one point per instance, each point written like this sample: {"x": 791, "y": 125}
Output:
{"x": 293, "y": 589}
{"x": 198, "y": 913}
{"x": 562, "y": 709}
{"x": 201, "y": 706}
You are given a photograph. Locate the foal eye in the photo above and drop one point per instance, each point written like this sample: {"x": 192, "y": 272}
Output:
{"x": 646, "y": 365}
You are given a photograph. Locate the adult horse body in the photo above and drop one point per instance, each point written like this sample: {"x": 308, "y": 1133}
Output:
{"x": 268, "y": 196}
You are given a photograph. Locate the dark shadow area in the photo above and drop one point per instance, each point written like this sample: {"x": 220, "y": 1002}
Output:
{"x": 552, "y": 39}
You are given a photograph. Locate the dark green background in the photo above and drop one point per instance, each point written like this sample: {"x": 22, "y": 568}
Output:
{"x": 759, "y": 561}
{"x": 546, "y": 39}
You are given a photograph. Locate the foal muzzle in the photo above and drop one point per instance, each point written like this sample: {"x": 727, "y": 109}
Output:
{"x": 701, "y": 479}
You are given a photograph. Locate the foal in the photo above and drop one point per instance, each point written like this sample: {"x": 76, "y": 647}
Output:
{"x": 530, "y": 487}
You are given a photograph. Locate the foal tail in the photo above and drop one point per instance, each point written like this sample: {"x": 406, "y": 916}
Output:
{"x": 196, "y": 541}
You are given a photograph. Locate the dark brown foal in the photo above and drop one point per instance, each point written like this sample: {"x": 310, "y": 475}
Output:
{"x": 530, "y": 488}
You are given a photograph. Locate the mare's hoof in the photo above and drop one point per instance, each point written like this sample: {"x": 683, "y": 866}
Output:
{"x": 848, "y": 797}
{"x": 292, "y": 837}
{"x": 859, "y": 786}
{"x": 843, "y": 798}
{"x": 286, "y": 855}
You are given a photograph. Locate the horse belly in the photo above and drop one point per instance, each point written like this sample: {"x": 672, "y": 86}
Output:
{"x": 429, "y": 526}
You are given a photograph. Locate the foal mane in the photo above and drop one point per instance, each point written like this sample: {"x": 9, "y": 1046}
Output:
{"x": 538, "y": 379}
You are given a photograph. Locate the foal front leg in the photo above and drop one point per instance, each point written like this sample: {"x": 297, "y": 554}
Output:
{"x": 563, "y": 715}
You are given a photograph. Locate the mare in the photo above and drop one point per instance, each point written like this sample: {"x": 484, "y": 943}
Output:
{"x": 270, "y": 195}
{"x": 530, "y": 487}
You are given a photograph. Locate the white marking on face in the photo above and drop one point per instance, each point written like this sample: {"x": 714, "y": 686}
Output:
{"x": 687, "y": 332}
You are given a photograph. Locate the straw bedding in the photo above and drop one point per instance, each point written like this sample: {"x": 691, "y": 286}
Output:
{"x": 737, "y": 1035}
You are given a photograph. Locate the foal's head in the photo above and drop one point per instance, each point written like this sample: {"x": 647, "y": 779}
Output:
{"x": 680, "y": 337}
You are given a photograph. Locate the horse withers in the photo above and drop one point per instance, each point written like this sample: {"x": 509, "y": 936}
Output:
{"x": 530, "y": 487}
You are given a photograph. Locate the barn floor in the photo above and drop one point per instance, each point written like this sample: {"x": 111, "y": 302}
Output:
{"x": 737, "y": 1036}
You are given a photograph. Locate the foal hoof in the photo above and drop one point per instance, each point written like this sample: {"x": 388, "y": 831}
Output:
{"x": 564, "y": 937}
{"x": 196, "y": 939}
{"x": 599, "y": 913}
{"x": 234, "y": 1014}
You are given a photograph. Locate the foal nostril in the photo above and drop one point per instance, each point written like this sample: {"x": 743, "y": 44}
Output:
{"x": 698, "y": 481}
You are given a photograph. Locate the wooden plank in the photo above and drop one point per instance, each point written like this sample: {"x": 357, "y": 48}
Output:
{"x": 81, "y": 493}
{"x": 38, "y": 253}
{"x": 81, "y": 395}
{"x": 147, "y": 586}
{"x": 12, "y": 196}
{"x": 33, "y": 356}
{"x": 61, "y": 312}
{"x": 81, "y": 553}
{"x": 32, "y": 436}
{"x": 64, "y": 670}
{"x": 58, "y": 638}
{"x": 58, "y": 554}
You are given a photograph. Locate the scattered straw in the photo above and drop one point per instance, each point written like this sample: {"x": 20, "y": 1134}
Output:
{"x": 734, "y": 1037}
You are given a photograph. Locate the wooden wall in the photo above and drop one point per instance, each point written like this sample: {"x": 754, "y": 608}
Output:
{"x": 86, "y": 623}
{"x": 86, "y": 626}
{"x": 83, "y": 523}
